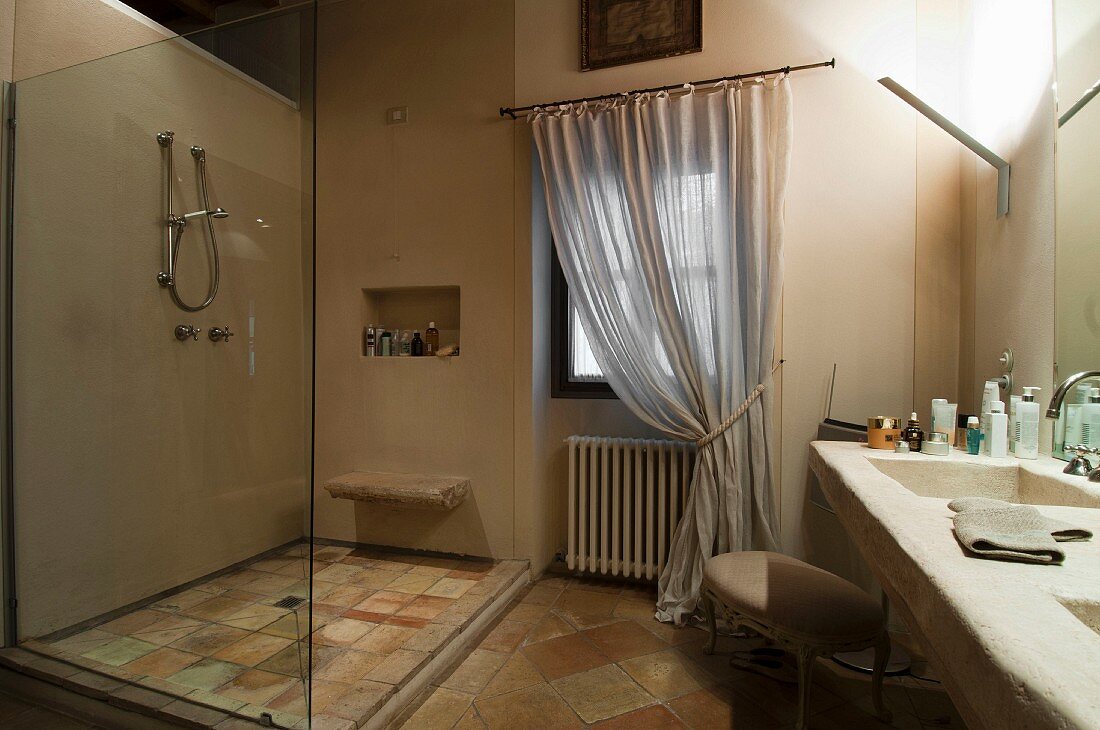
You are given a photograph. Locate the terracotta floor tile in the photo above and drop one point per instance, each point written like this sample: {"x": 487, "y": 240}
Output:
{"x": 330, "y": 553}
{"x": 475, "y": 671}
{"x": 596, "y": 585}
{"x": 431, "y": 637}
{"x": 367, "y": 616}
{"x": 430, "y": 570}
{"x": 349, "y": 667}
{"x": 385, "y": 639}
{"x": 338, "y": 573}
{"x": 171, "y": 628}
{"x": 361, "y": 701}
{"x": 450, "y": 587}
{"x": 505, "y": 636}
{"x": 163, "y": 662}
{"x": 342, "y": 632}
{"x": 655, "y": 717}
{"x": 466, "y": 574}
{"x": 517, "y": 673}
{"x": 347, "y": 596}
{"x": 270, "y": 584}
{"x": 397, "y": 666}
{"x": 412, "y": 583}
{"x": 253, "y": 649}
{"x": 586, "y": 609}
{"x": 84, "y": 641}
{"x": 374, "y": 578}
{"x": 215, "y": 608}
{"x": 667, "y": 674}
{"x": 120, "y": 651}
{"x": 527, "y": 613}
{"x": 274, "y": 565}
{"x": 209, "y": 639}
{"x": 469, "y": 721}
{"x": 719, "y": 707}
{"x": 254, "y": 617}
{"x": 674, "y": 635}
{"x": 425, "y": 606}
{"x": 541, "y": 595}
{"x": 624, "y": 640}
{"x": 182, "y": 600}
{"x": 550, "y": 627}
{"x": 207, "y": 674}
{"x": 132, "y": 622}
{"x": 442, "y": 709}
{"x": 256, "y": 687}
{"x": 601, "y": 693}
{"x": 293, "y": 699}
{"x": 632, "y": 608}
{"x": 293, "y": 625}
{"x": 563, "y": 656}
{"x": 384, "y": 602}
{"x": 534, "y": 707}
{"x": 779, "y": 699}
{"x": 292, "y": 660}
{"x": 407, "y": 621}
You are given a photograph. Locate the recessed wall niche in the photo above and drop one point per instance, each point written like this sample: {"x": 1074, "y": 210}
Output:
{"x": 413, "y": 307}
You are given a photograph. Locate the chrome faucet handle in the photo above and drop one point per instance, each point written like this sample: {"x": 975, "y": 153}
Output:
{"x": 220, "y": 333}
{"x": 1079, "y": 465}
{"x": 183, "y": 331}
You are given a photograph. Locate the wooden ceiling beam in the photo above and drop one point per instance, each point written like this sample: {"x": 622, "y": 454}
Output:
{"x": 201, "y": 9}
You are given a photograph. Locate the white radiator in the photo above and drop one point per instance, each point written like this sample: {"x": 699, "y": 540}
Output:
{"x": 625, "y": 499}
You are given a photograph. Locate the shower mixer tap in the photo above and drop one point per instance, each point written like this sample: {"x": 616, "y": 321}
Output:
{"x": 183, "y": 331}
{"x": 220, "y": 333}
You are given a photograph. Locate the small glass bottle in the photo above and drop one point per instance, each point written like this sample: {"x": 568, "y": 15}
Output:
{"x": 405, "y": 345}
{"x": 973, "y": 435}
{"x": 369, "y": 347}
{"x": 417, "y": 344}
{"x": 431, "y": 340}
{"x": 913, "y": 434}
{"x": 385, "y": 343}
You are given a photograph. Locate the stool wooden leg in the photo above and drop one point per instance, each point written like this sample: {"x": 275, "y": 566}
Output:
{"x": 712, "y": 625}
{"x": 806, "y": 657}
{"x": 882, "y": 657}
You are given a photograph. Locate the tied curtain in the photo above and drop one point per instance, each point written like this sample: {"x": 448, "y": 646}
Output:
{"x": 667, "y": 217}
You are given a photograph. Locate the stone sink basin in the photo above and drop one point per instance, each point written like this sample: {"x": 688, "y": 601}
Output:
{"x": 960, "y": 475}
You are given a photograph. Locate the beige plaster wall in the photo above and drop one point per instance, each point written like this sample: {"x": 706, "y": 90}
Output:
{"x": 7, "y": 38}
{"x": 1007, "y": 103}
{"x": 142, "y": 462}
{"x": 56, "y": 34}
{"x": 439, "y": 191}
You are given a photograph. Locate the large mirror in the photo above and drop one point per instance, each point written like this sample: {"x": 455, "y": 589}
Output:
{"x": 1077, "y": 293}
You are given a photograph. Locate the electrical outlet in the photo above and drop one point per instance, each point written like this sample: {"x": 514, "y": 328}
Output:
{"x": 397, "y": 115}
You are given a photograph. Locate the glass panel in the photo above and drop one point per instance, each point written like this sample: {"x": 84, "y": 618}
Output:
{"x": 583, "y": 367}
{"x": 161, "y": 475}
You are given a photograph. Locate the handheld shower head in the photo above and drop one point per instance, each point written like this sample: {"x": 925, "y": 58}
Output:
{"x": 216, "y": 213}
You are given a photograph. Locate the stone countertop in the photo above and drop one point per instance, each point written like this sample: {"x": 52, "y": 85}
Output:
{"x": 1011, "y": 654}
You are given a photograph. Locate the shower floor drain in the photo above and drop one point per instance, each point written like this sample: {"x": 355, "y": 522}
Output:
{"x": 290, "y": 602}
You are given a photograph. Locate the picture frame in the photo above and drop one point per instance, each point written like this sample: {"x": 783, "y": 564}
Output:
{"x": 618, "y": 32}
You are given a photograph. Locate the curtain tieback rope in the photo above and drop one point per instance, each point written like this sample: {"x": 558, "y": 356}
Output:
{"x": 721, "y": 427}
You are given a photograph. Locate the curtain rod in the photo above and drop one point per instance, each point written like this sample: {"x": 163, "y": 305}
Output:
{"x": 512, "y": 111}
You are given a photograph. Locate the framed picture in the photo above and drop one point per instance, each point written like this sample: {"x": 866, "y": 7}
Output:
{"x": 615, "y": 32}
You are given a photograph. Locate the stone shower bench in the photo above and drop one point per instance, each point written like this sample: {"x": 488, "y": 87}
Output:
{"x": 412, "y": 491}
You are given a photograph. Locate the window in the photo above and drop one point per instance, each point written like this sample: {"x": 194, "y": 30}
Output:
{"x": 573, "y": 369}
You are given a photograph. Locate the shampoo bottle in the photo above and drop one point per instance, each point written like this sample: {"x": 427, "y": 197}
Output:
{"x": 431, "y": 339}
{"x": 385, "y": 343}
{"x": 1013, "y": 422}
{"x": 998, "y": 430}
{"x": 405, "y": 345}
{"x": 417, "y": 344}
{"x": 369, "y": 346}
{"x": 1090, "y": 420}
{"x": 1027, "y": 426}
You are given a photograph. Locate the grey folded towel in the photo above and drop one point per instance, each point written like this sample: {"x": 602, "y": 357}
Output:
{"x": 1008, "y": 533}
{"x": 1060, "y": 531}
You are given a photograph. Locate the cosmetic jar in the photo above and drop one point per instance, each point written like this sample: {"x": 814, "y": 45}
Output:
{"x": 883, "y": 431}
{"x": 901, "y": 446}
{"x": 936, "y": 444}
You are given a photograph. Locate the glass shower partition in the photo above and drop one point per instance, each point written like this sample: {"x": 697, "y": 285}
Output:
{"x": 161, "y": 456}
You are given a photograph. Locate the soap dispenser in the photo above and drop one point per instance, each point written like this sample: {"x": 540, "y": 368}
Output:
{"x": 1026, "y": 434}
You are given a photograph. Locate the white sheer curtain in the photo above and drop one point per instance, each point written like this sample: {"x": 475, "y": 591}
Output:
{"x": 667, "y": 215}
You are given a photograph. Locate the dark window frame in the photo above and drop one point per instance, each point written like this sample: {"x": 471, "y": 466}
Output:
{"x": 560, "y": 346}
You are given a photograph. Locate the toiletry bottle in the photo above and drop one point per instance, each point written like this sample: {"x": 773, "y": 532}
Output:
{"x": 913, "y": 434}
{"x": 1027, "y": 426}
{"x": 417, "y": 344}
{"x": 961, "y": 421}
{"x": 405, "y": 345}
{"x": 943, "y": 418}
{"x": 973, "y": 435}
{"x": 998, "y": 430}
{"x": 1090, "y": 420}
{"x": 1013, "y": 422}
{"x": 431, "y": 340}
{"x": 990, "y": 393}
{"x": 368, "y": 341}
{"x": 385, "y": 343}
{"x": 932, "y": 413}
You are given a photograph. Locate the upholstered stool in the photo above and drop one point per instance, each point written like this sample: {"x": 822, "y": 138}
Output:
{"x": 805, "y": 610}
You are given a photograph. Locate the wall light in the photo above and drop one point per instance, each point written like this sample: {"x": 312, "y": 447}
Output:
{"x": 1003, "y": 168}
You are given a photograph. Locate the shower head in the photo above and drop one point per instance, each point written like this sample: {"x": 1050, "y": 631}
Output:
{"x": 216, "y": 213}
{"x": 198, "y": 153}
